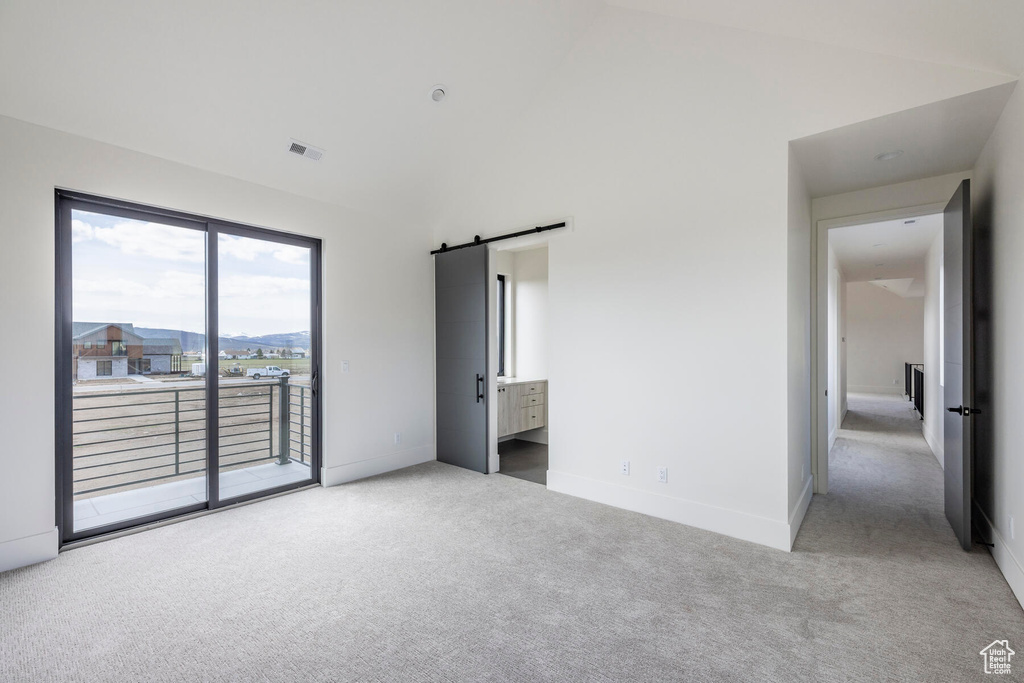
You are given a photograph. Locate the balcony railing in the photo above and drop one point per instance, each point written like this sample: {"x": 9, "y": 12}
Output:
{"x": 130, "y": 439}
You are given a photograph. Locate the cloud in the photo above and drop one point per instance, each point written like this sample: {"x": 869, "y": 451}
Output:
{"x": 151, "y": 240}
{"x": 248, "y": 249}
{"x": 256, "y": 286}
{"x": 81, "y": 231}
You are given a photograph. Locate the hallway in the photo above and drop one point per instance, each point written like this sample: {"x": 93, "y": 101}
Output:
{"x": 883, "y": 521}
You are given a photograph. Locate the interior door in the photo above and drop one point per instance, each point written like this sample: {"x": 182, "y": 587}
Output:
{"x": 959, "y": 388}
{"x": 460, "y": 309}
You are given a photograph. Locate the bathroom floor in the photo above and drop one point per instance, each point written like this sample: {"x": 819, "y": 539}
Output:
{"x": 524, "y": 460}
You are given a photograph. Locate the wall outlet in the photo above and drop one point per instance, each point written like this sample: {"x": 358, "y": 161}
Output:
{"x": 624, "y": 467}
{"x": 398, "y": 438}
{"x": 895, "y": 381}
{"x": 663, "y": 475}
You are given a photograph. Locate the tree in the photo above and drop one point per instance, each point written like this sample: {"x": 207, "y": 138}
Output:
{"x": 259, "y": 353}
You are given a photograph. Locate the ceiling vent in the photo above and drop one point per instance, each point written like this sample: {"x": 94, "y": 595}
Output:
{"x": 304, "y": 150}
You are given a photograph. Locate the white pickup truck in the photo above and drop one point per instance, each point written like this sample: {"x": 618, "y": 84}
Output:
{"x": 269, "y": 371}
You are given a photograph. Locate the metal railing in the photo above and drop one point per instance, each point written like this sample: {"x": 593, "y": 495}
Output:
{"x": 130, "y": 439}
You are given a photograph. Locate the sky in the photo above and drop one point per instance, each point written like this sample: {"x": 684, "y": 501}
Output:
{"x": 153, "y": 275}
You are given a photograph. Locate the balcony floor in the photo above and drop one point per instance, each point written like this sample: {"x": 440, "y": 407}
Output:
{"x": 124, "y": 505}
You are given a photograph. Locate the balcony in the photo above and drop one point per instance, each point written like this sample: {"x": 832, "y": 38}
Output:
{"x": 141, "y": 451}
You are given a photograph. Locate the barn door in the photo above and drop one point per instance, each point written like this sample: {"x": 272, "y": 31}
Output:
{"x": 460, "y": 309}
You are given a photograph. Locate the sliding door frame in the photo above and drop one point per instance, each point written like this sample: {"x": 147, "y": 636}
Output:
{"x": 64, "y": 202}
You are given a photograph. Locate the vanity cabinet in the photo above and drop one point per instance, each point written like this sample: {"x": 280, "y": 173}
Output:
{"x": 521, "y": 406}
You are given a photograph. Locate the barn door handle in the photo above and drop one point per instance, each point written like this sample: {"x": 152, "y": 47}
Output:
{"x": 479, "y": 387}
{"x": 959, "y": 410}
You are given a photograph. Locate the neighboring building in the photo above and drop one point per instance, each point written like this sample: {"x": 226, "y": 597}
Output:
{"x": 234, "y": 354}
{"x": 104, "y": 350}
{"x": 161, "y": 356}
{"x": 298, "y": 353}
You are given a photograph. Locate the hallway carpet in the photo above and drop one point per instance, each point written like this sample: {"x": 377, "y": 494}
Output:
{"x": 434, "y": 573}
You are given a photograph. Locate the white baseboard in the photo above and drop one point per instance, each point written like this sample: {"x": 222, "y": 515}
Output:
{"x": 935, "y": 445}
{"x": 22, "y": 552}
{"x": 770, "y": 532}
{"x": 796, "y": 518}
{"x": 1010, "y": 566}
{"x": 896, "y": 390}
{"x": 342, "y": 474}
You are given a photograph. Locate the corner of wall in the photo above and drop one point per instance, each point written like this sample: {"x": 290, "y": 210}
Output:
{"x": 22, "y": 552}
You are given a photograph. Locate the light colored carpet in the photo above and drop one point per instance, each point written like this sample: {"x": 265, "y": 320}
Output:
{"x": 436, "y": 573}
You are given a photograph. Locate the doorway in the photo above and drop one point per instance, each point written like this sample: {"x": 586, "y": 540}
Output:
{"x": 153, "y": 420}
{"x": 521, "y": 381}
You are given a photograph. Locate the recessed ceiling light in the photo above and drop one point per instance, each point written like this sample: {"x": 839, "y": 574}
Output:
{"x": 879, "y": 265}
{"x": 880, "y": 244}
{"x": 910, "y": 222}
{"x": 886, "y": 156}
{"x": 438, "y": 92}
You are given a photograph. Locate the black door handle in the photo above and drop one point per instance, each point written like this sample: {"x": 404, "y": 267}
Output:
{"x": 479, "y": 387}
{"x": 965, "y": 411}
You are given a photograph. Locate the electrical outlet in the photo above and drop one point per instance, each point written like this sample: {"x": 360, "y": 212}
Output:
{"x": 624, "y": 467}
{"x": 895, "y": 381}
{"x": 398, "y": 438}
{"x": 663, "y": 475}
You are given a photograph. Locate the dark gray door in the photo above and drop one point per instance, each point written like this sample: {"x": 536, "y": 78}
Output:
{"x": 460, "y": 311}
{"x": 959, "y": 386}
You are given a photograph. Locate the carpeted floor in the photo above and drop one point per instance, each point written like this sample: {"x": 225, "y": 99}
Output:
{"x": 437, "y": 573}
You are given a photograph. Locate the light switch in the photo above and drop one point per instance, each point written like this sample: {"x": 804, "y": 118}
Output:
{"x": 344, "y": 366}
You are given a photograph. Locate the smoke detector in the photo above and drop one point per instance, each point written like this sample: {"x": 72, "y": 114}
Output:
{"x": 888, "y": 156}
{"x": 438, "y": 92}
{"x": 304, "y": 150}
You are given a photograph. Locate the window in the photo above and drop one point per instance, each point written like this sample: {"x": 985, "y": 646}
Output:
{"x": 213, "y": 434}
{"x": 501, "y": 326}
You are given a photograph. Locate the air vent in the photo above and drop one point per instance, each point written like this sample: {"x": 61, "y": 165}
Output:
{"x": 304, "y": 150}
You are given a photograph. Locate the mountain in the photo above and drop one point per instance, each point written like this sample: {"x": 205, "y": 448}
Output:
{"x": 196, "y": 341}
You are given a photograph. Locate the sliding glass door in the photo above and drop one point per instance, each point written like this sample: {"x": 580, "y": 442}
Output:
{"x": 186, "y": 365}
{"x": 266, "y": 390}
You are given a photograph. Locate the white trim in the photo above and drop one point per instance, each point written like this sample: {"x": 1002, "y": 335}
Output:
{"x": 819, "y": 325}
{"x": 934, "y": 444}
{"x": 797, "y": 517}
{"x": 832, "y": 436}
{"x": 770, "y": 532}
{"x": 342, "y": 474}
{"x": 22, "y": 552}
{"x": 1010, "y": 566}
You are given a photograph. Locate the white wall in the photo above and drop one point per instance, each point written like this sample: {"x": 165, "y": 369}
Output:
{"x": 531, "y": 313}
{"x": 933, "y": 390}
{"x": 667, "y": 141}
{"x": 798, "y": 330}
{"x": 378, "y": 313}
{"x": 883, "y": 331}
{"x": 998, "y": 205}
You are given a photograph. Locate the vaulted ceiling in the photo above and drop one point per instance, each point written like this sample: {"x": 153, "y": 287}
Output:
{"x": 224, "y": 85}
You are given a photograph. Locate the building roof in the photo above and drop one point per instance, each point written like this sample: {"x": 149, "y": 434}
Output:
{"x": 161, "y": 346}
{"x": 82, "y": 329}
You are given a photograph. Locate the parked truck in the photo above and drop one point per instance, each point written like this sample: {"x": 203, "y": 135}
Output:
{"x": 268, "y": 371}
